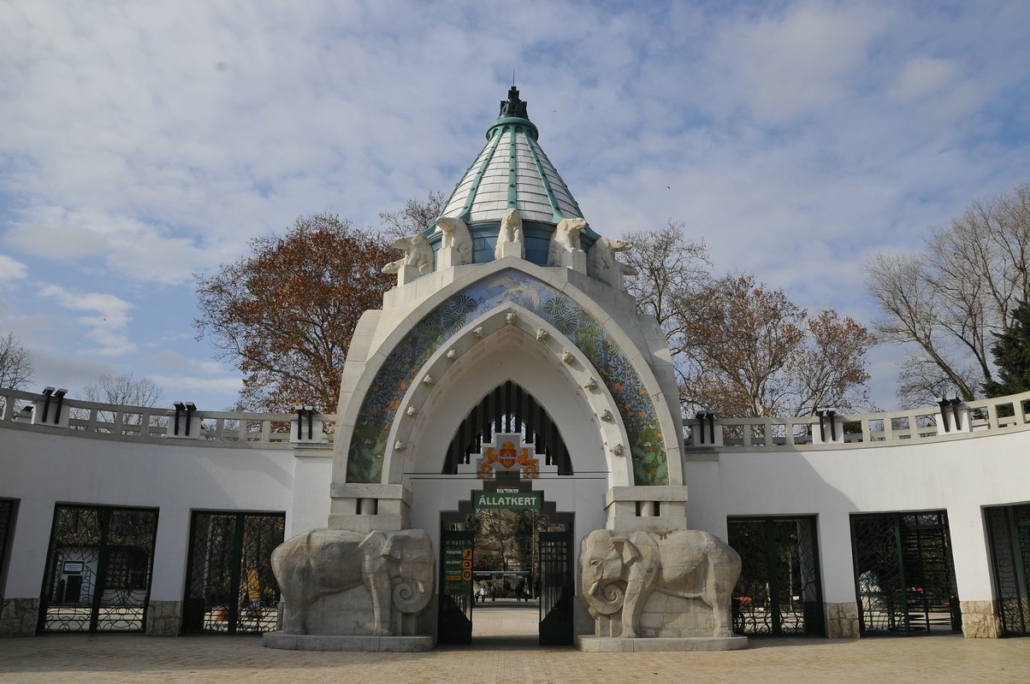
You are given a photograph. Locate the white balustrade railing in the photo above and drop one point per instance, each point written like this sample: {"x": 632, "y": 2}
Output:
{"x": 228, "y": 428}
{"x": 1002, "y": 414}
{"x": 217, "y": 428}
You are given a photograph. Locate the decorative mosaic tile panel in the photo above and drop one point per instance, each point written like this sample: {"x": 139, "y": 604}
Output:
{"x": 368, "y": 445}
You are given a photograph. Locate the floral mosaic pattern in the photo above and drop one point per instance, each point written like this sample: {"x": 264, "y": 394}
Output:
{"x": 368, "y": 445}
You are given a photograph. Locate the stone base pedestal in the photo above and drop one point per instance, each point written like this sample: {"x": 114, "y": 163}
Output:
{"x": 592, "y": 644}
{"x": 164, "y": 618}
{"x": 325, "y": 642}
{"x": 18, "y": 617}
{"x": 841, "y": 620}
{"x": 979, "y": 620}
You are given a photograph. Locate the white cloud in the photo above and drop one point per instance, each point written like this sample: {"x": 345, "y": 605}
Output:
{"x": 11, "y": 269}
{"x": 106, "y": 325}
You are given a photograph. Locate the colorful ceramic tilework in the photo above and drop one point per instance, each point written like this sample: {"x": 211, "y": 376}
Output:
{"x": 368, "y": 445}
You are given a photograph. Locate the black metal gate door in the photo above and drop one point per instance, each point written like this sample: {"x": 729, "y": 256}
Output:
{"x": 456, "y": 598}
{"x": 98, "y": 570}
{"x": 230, "y": 587}
{"x": 779, "y": 592}
{"x": 904, "y": 574}
{"x": 557, "y": 589}
{"x": 1009, "y": 528}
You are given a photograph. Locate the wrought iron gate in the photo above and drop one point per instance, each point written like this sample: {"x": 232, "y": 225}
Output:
{"x": 456, "y": 598}
{"x": 98, "y": 570}
{"x": 1009, "y": 530}
{"x": 230, "y": 587}
{"x": 904, "y": 574}
{"x": 779, "y": 592}
{"x": 557, "y": 589}
{"x": 6, "y": 533}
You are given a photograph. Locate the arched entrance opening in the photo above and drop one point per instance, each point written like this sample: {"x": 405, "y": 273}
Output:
{"x": 544, "y": 585}
{"x": 506, "y": 550}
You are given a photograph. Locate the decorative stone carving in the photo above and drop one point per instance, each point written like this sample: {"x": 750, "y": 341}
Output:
{"x": 567, "y": 357}
{"x": 542, "y": 334}
{"x": 399, "y": 445}
{"x": 602, "y": 264}
{"x": 607, "y": 416}
{"x": 591, "y": 384}
{"x": 565, "y": 242}
{"x": 510, "y": 241}
{"x": 417, "y": 254}
{"x": 428, "y": 380}
{"x": 511, "y": 317}
{"x": 456, "y": 237}
{"x": 617, "y": 450}
{"x": 412, "y": 411}
{"x": 452, "y": 354}
{"x": 619, "y": 575}
{"x": 478, "y": 332}
{"x": 396, "y": 568}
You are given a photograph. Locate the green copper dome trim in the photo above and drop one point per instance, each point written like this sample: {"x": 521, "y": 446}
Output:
{"x": 470, "y": 200}
{"x": 513, "y": 121}
{"x": 513, "y": 171}
{"x": 547, "y": 184}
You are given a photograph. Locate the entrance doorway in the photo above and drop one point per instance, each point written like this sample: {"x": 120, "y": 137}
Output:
{"x": 533, "y": 568}
{"x": 230, "y": 588}
{"x": 904, "y": 574}
{"x": 1009, "y": 529}
{"x": 98, "y": 569}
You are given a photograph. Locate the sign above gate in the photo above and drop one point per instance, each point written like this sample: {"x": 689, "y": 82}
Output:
{"x": 517, "y": 501}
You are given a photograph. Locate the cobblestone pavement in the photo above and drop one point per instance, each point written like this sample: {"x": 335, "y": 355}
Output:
{"x": 505, "y": 651}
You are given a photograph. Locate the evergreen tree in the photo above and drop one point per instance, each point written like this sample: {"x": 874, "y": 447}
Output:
{"x": 1011, "y": 351}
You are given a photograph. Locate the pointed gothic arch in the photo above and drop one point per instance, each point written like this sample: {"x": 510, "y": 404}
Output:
{"x": 609, "y": 339}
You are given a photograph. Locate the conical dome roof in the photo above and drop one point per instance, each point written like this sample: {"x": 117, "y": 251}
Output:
{"x": 512, "y": 172}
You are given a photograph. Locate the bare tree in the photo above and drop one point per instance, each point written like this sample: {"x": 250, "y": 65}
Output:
{"x": 740, "y": 348}
{"x": 947, "y": 300}
{"x": 15, "y": 363}
{"x": 672, "y": 273}
{"x": 416, "y": 216}
{"x": 124, "y": 390}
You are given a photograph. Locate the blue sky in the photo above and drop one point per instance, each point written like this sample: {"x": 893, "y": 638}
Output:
{"x": 141, "y": 143}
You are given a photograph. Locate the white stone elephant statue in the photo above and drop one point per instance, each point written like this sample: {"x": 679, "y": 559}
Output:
{"x": 619, "y": 573}
{"x": 397, "y": 568}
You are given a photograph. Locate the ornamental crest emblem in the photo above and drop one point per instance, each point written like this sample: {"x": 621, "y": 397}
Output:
{"x": 506, "y": 453}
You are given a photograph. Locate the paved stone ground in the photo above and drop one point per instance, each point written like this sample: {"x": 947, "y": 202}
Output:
{"x": 505, "y": 651}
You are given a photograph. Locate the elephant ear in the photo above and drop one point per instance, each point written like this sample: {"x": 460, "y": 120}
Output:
{"x": 372, "y": 544}
{"x": 629, "y": 552}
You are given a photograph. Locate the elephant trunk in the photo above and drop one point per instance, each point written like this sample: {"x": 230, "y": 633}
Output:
{"x": 410, "y": 595}
{"x": 606, "y": 599}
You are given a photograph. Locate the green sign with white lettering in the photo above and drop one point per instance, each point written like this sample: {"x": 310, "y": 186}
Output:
{"x": 516, "y": 501}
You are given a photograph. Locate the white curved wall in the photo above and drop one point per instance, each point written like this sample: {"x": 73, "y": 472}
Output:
{"x": 41, "y": 467}
{"x": 961, "y": 475}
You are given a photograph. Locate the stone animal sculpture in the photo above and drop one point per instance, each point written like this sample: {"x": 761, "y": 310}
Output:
{"x": 510, "y": 232}
{"x": 456, "y": 235}
{"x": 565, "y": 239}
{"x": 397, "y": 569}
{"x": 602, "y": 264}
{"x": 417, "y": 253}
{"x": 618, "y": 574}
